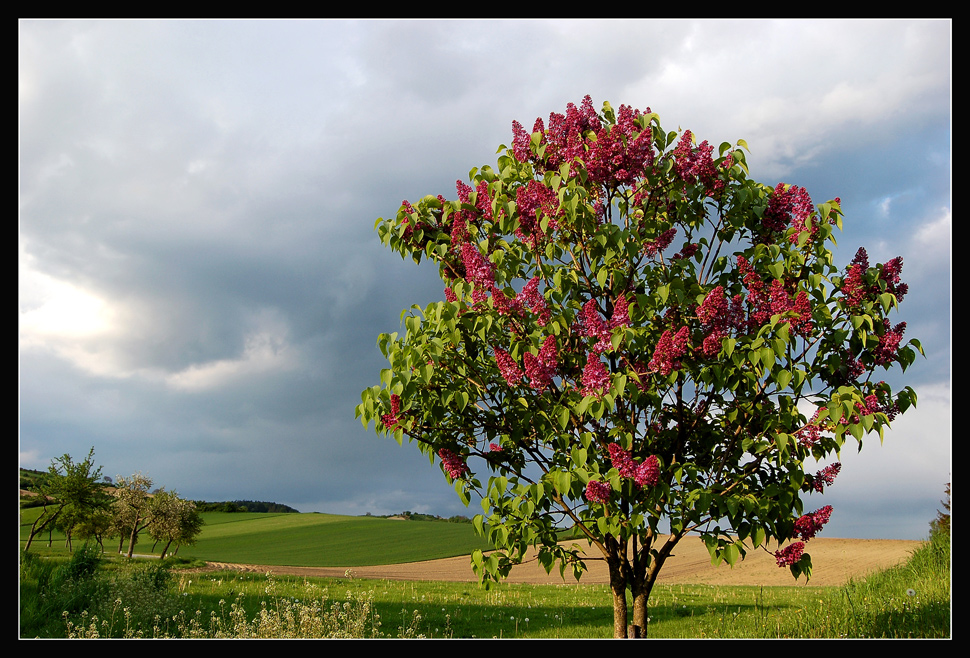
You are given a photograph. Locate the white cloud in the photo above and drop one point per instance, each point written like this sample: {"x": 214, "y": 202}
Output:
{"x": 936, "y": 234}
{"x": 266, "y": 350}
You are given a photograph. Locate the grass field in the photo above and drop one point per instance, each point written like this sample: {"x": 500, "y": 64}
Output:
{"x": 319, "y": 540}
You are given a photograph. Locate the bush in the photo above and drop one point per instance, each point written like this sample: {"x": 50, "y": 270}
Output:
{"x": 82, "y": 565}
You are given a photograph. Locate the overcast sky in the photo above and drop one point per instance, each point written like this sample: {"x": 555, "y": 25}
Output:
{"x": 201, "y": 286}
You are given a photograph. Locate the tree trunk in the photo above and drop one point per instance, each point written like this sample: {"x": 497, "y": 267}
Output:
{"x": 618, "y": 586}
{"x": 641, "y": 595}
{"x": 133, "y": 537}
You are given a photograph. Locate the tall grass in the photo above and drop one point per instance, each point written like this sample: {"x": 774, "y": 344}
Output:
{"x": 911, "y": 600}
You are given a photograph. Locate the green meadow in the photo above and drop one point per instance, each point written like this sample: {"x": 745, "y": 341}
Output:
{"x": 305, "y": 540}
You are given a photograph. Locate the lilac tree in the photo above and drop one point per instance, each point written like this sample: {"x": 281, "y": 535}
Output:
{"x": 637, "y": 341}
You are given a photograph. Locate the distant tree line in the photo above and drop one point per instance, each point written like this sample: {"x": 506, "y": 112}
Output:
{"x": 417, "y": 516}
{"x": 245, "y": 506}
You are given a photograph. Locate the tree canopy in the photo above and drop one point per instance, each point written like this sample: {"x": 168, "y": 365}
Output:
{"x": 637, "y": 341}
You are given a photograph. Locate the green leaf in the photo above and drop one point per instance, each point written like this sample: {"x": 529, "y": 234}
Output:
{"x": 782, "y": 379}
{"x": 563, "y": 417}
{"x": 731, "y": 554}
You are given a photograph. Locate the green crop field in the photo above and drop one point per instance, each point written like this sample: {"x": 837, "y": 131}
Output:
{"x": 308, "y": 540}
{"x": 326, "y": 540}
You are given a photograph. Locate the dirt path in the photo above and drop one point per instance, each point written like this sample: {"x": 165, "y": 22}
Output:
{"x": 834, "y": 561}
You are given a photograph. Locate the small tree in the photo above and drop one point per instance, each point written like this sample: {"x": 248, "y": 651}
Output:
{"x": 96, "y": 526}
{"x": 173, "y": 520}
{"x": 133, "y": 511}
{"x": 71, "y": 495}
{"x": 636, "y": 335}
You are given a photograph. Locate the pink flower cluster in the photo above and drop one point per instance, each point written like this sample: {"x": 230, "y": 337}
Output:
{"x": 461, "y": 219}
{"x": 775, "y": 301}
{"x": 598, "y": 492}
{"x": 595, "y": 377}
{"x": 535, "y": 200}
{"x": 887, "y": 349}
{"x": 790, "y": 554}
{"x": 854, "y": 289}
{"x": 666, "y": 357}
{"x": 614, "y": 155}
{"x": 531, "y": 297}
{"x": 478, "y": 270}
{"x": 689, "y": 250}
{"x": 590, "y": 324}
{"x": 454, "y": 464}
{"x": 890, "y": 274}
{"x": 787, "y": 207}
{"x": 783, "y": 303}
{"x": 391, "y": 420}
{"x": 719, "y": 317}
{"x": 653, "y": 247}
{"x": 696, "y": 165}
{"x": 541, "y": 368}
{"x": 808, "y": 525}
{"x": 873, "y": 405}
{"x": 825, "y": 477}
{"x": 505, "y": 305}
{"x": 645, "y": 474}
{"x": 809, "y": 435}
{"x": 507, "y": 367}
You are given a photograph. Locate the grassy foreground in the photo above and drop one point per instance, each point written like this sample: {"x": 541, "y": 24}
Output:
{"x": 85, "y": 596}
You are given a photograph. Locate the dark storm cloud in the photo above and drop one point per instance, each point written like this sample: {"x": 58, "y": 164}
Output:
{"x": 202, "y": 287}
